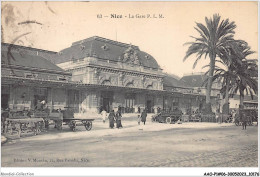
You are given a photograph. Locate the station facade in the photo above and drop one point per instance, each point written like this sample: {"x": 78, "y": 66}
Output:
{"x": 91, "y": 75}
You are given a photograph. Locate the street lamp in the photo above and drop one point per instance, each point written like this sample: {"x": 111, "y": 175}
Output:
{"x": 199, "y": 101}
{"x": 218, "y": 111}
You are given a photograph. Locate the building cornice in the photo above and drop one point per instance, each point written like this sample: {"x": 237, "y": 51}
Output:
{"x": 158, "y": 75}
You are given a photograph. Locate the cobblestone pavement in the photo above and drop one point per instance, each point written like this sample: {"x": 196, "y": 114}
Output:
{"x": 152, "y": 145}
{"x": 224, "y": 158}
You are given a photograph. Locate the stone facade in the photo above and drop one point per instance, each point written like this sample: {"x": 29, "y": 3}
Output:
{"x": 130, "y": 69}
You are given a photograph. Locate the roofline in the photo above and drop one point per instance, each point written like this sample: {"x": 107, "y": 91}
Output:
{"x": 104, "y": 40}
{"x": 35, "y": 69}
{"x": 24, "y": 47}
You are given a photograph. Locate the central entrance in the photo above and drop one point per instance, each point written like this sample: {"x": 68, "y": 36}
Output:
{"x": 149, "y": 103}
{"x": 149, "y": 106}
{"x": 106, "y": 101}
{"x": 106, "y": 104}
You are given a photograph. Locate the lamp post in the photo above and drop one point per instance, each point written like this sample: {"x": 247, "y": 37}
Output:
{"x": 218, "y": 111}
{"x": 199, "y": 101}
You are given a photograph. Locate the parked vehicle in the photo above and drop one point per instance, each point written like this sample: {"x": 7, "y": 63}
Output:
{"x": 68, "y": 119}
{"x": 167, "y": 116}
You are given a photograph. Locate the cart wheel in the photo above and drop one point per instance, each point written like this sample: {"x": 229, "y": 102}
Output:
{"x": 168, "y": 120}
{"x": 88, "y": 125}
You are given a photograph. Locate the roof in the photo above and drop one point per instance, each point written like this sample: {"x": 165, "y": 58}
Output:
{"x": 173, "y": 81}
{"x": 103, "y": 49}
{"x": 24, "y": 59}
{"x": 5, "y": 45}
{"x": 194, "y": 80}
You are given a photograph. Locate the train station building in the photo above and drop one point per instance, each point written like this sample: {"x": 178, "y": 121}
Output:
{"x": 95, "y": 74}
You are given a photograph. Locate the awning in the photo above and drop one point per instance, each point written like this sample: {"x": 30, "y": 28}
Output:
{"x": 14, "y": 80}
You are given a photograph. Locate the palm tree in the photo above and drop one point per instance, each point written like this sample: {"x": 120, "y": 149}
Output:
{"x": 233, "y": 56}
{"x": 246, "y": 81}
{"x": 213, "y": 36}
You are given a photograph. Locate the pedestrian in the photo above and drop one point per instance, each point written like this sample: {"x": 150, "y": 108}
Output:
{"x": 143, "y": 116}
{"x": 233, "y": 115}
{"x": 139, "y": 109}
{"x": 244, "y": 120}
{"x": 118, "y": 120}
{"x": 104, "y": 115}
{"x": 158, "y": 110}
{"x": 138, "y": 119}
{"x": 119, "y": 108}
{"x": 111, "y": 118}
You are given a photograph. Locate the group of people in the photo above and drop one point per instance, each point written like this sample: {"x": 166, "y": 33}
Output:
{"x": 113, "y": 117}
{"x": 117, "y": 118}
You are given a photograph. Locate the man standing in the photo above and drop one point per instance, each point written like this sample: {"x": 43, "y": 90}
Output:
{"x": 244, "y": 120}
{"x": 143, "y": 116}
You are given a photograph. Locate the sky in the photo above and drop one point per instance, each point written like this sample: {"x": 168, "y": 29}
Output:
{"x": 56, "y": 25}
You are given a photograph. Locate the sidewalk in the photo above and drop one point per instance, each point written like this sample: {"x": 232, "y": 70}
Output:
{"x": 100, "y": 129}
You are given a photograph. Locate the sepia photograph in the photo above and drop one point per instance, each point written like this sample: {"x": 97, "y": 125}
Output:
{"x": 129, "y": 84}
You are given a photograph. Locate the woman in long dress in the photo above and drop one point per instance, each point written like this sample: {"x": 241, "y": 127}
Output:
{"x": 118, "y": 119}
{"x": 111, "y": 118}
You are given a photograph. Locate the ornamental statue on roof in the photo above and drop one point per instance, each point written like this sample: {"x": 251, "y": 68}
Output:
{"x": 130, "y": 56}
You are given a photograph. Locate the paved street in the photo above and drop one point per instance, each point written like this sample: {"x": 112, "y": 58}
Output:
{"x": 152, "y": 145}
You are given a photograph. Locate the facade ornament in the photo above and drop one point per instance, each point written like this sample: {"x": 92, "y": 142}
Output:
{"x": 143, "y": 79}
{"x": 122, "y": 76}
{"x": 82, "y": 47}
{"x": 104, "y": 47}
{"x": 97, "y": 71}
{"x": 105, "y": 79}
{"x": 131, "y": 56}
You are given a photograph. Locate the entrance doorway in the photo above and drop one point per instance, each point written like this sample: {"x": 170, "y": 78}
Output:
{"x": 106, "y": 101}
{"x": 149, "y": 106}
{"x": 73, "y": 100}
{"x": 106, "y": 104}
{"x": 4, "y": 101}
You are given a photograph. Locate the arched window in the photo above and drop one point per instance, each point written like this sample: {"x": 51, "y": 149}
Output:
{"x": 106, "y": 82}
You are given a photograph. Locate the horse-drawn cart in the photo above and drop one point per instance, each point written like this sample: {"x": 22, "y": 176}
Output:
{"x": 23, "y": 125}
{"x": 66, "y": 117}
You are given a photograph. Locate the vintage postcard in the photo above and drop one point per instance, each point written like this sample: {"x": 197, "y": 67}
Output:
{"x": 129, "y": 84}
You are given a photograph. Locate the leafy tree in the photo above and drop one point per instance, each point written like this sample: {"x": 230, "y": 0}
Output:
{"x": 213, "y": 36}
